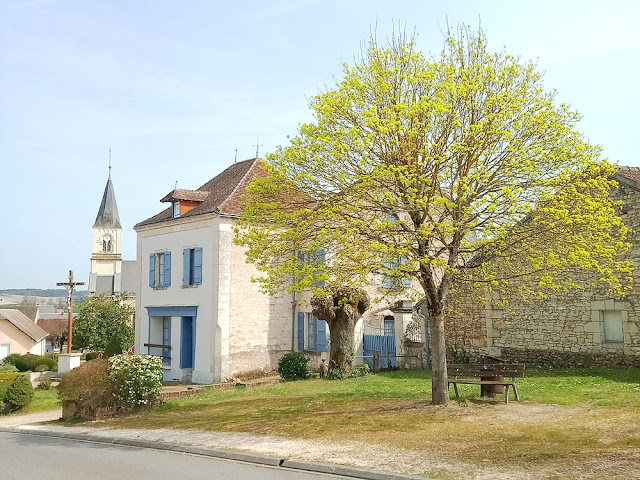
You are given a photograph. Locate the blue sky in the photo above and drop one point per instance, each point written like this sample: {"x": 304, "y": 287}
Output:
{"x": 174, "y": 88}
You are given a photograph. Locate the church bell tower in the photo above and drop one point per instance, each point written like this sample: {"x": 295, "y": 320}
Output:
{"x": 106, "y": 248}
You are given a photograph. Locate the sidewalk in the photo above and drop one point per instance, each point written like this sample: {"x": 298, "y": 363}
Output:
{"x": 22, "y": 420}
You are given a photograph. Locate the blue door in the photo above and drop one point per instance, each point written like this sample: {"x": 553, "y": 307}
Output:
{"x": 187, "y": 344}
{"x": 382, "y": 340}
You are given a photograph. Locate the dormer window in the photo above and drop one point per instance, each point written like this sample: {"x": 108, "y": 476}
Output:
{"x": 176, "y": 209}
{"x": 107, "y": 245}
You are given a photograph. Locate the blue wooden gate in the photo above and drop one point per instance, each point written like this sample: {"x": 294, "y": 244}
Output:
{"x": 382, "y": 339}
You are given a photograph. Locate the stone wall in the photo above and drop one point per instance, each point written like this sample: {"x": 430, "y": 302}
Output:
{"x": 261, "y": 325}
{"x": 565, "y": 328}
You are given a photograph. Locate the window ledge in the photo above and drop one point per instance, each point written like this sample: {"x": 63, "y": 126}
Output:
{"x": 166, "y": 367}
{"x": 190, "y": 286}
{"x": 160, "y": 288}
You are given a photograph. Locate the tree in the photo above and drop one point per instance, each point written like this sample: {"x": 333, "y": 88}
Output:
{"x": 100, "y": 319}
{"x": 460, "y": 170}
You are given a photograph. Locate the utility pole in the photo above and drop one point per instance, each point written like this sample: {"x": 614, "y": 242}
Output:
{"x": 70, "y": 284}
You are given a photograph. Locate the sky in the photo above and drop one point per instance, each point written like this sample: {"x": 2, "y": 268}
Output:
{"x": 176, "y": 88}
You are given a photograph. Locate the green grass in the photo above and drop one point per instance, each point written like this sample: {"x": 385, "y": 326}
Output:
{"x": 564, "y": 416}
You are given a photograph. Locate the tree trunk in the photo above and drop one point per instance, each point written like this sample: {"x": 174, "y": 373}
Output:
{"x": 342, "y": 332}
{"x": 439, "y": 385}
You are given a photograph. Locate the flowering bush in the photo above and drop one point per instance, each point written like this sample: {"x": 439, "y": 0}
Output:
{"x": 138, "y": 378}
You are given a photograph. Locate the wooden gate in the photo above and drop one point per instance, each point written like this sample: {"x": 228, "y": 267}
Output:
{"x": 382, "y": 339}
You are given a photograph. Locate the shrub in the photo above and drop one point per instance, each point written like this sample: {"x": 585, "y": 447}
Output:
{"x": 6, "y": 379}
{"x": 294, "y": 366}
{"x": 339, "y": 374}
{"x": 92, "y": 356}
{"x": 10, "y": 359}
{"x": 26, "y": 362}
{"x": 138, "y": 378}
{"x": 19, "y": 393}
{"x": 44, "y": 364}
{"x": 52, "y": 355}
{"x": 89, "y": 385}
{"x": 8, "y": 368}
{"x": 114, "y": 347}
{"x": 44, "y": 385}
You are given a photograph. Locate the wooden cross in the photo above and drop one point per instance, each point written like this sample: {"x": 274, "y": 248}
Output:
{"x": 70, "y": 284}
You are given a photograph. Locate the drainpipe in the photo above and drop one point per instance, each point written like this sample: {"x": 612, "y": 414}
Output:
{"x": 293, "y": 318}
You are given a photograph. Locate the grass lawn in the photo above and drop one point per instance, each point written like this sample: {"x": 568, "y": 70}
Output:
{"x": 43, "y": 401}
{"x": 564, "y": 418}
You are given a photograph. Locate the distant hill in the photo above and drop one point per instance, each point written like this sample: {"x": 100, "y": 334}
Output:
{"x": 46, "y": 292}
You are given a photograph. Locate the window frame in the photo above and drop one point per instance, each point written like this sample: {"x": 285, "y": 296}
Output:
{"x": 160, "y": 270}
{"x": 175, "y": 205}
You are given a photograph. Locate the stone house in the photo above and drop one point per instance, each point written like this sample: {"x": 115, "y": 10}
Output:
{"x": 579, "y": 327}
{"x": 197, "y": 306}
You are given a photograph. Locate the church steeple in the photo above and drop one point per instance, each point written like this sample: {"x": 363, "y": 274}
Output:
{"x": 108, "y": 212}
{"x": 106, "y": 252}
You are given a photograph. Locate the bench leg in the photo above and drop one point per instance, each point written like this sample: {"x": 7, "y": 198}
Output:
{"x": 515, "y": 391}
{"x": 455, "y": 388}
{"x": 506, "y": 394}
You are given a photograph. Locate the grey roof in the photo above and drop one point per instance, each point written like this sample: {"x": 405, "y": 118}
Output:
{"x": 22, "y": 323}
{"x": 108, "y": 212}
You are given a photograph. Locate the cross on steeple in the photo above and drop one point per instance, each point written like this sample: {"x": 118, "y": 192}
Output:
{"x": 257, "y": 145}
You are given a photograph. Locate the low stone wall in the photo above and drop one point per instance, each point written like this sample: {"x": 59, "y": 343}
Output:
{"x": 556, "y": 358}
{"x": 69, "y": 409}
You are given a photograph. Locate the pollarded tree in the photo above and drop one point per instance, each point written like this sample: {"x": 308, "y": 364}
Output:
{"x": 461, "y": 169}
{"x": 102, "y": 318}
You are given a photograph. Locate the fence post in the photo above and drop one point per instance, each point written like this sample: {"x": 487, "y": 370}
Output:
{"x": 376, "y": 360}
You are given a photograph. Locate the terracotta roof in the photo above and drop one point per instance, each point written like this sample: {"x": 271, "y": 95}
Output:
{"x": 632, "y": 173}
{"x": 223, "y": 192}
{"x": 23, "y": 323}
{"x": 54, "y": 325}
{"x": 180, "y": 194}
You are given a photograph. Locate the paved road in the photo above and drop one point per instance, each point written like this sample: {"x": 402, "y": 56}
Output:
{"x": 30, "y": 457}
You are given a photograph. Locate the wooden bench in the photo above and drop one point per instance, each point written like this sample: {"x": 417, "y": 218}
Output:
{"x": 497, "y": 374}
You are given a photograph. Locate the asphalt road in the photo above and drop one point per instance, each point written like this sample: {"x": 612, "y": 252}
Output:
{"x": 30, "y": 457}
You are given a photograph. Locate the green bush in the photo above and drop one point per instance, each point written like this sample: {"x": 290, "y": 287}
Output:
{"x": 294, "y": 366}
{"x": 44, "y": 364}
{"x": 339, "y": 374}
{"x": 26, "y": 362}
{"x": 10, "y": 359}
{"x": 19, "y": 394}
{"x": 92, "y": 356}
{"x": 89, "y": 385}
{"x": 8, "y": 368}
{"x": 138, "y": 378}
{"x": 114, "y": 347}
{"x": 6, "y": 379}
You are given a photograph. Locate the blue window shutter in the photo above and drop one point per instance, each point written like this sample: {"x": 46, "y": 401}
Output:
{"x": 186, "y": 260}
{"x": 319, "y": 256}
{"x": 167, "y": 269}
{"x": 300, "y": 331}
{"x": 152, "y": 270}
{"x": 197, "y": 266}
{"x": 321, "y": 335}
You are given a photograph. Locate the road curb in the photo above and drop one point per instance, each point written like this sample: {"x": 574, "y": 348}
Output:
{"x": 222, "y": 454}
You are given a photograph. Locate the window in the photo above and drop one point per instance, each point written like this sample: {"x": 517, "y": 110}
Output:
{"x": 5, "y": 349}
{"x": 106, "y": 244}
{"x": 612, "y": 320}
{"x": 192, "y": 266}
{"x": 166, "y": 341}
{"x": 160, "y": 270}
{"x": 392, "y": 281}
{"x": 316, "y": 337}
{"x": 315, "y": 257}
{"x": 175, "y": 210}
